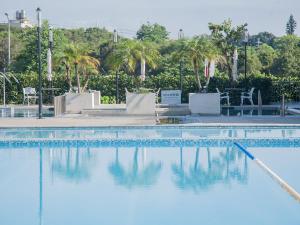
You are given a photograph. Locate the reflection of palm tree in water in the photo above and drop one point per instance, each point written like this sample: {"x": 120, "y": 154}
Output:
{"x": 218, "y": 171}
{"x": 135, "y": 177}
{"x": 70, "y": 166}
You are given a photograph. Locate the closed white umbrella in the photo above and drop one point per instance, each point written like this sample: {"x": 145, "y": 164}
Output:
{"x": 235, "y": 64}
{"x": 49, "y": 65}
{"x": 143, "y": 69}
{"x": 212, "y": 68}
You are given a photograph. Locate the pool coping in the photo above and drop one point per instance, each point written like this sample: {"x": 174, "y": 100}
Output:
{"x": 149, "y": 121}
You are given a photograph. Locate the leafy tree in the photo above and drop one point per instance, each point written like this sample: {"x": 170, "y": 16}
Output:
{"x": 262, "y": 38}
{"x": 226, "y": 38}
{"x": 27, "y": 61}
{"x": 152, "y": 32}
{"x": 254, "y": 64}
{"x": 291, "y": 25}
{"x": 266, "y": 55}
{"x": 15, "y": 46}
{"x": 288, "y": 60}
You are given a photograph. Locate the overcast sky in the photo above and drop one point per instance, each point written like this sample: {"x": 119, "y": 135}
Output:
{"x": 192, "y": 16}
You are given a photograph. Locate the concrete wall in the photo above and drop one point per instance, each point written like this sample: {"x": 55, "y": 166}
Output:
{"x": 140, "y": 104}
{"x": 204, "y": 103}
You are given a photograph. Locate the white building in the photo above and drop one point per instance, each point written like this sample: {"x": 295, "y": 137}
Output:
{"x": 21, "y": 21}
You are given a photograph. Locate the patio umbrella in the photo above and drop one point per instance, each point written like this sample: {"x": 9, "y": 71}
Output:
{"x": 143, "y": 69}
{"x": 235, "y": 63}
{"x": 49, "y": 65}
{"x": 212, "y": 68}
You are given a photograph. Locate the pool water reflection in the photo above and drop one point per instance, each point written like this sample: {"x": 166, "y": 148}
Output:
{"x": 143, "y": 185}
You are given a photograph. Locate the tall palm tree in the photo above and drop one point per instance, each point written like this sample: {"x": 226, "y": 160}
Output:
{"x": 81, "y": 60}
{"x": 196, "y": 50}
{"x": 65, "y": 58}
{"x": 130, "y": 53}
{"x": 78, "y": 56}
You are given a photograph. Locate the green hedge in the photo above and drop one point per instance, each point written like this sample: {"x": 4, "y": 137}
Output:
{"x": 271, "y": 87}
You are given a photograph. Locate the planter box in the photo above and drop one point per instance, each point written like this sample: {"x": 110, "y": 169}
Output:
{"x": 59, "y": 105}
{"x": 140, "y": 104}
{"x": 97, "y": 97}
{"x": 204, "y": 103}
{"x": 76, "y": 102}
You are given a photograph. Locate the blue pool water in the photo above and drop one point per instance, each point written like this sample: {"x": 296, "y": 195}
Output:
{"x": 147, "y": 176}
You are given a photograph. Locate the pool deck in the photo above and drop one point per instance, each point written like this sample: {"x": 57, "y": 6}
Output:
{"x": 148, "y": 121}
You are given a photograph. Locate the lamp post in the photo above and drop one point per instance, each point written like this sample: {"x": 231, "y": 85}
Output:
{"x": 246, "y": 41}
{"x": 50, "y": 61}
{"x": 115, "y": 40}
{"x": 180, "y": 37}
{"x": 8, "y": 59}
{"x": 8, "y": 24}
{"x": 39, "y": 26}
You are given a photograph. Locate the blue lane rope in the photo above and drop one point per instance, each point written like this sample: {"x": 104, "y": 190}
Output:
{"x": 276, "y": 177}
{"x": 245, "y": 151}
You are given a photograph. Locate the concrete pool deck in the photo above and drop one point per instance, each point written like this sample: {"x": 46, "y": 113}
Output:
{"x": 79, "y": 121}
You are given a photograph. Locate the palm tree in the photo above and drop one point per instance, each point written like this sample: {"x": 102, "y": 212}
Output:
{"x": 65, "y": 58}
{"x": 82, "y": 60}
{"x": 197, "y": 50}
{"x": 78, "y": 56}
{"x": 130, "y": 53}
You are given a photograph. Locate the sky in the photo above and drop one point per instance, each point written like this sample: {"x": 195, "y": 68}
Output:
{"x": 192, "y": 16}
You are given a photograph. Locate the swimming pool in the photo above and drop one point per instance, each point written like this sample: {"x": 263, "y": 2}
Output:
{"x": 24, "y": 112}
{"x": 165, "y": 175}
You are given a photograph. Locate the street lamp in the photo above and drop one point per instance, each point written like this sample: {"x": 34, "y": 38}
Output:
{"x": 246, "y": 41}
{"x": 8, "y": 24}
{"x": 39, "y": 26}
{"x": 180, "y": 37}
{"x": 8, "y": 60}
{"x": 49, "y": 60}
{"x": 115, "y": 40}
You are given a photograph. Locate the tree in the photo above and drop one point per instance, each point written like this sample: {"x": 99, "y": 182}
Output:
{"x": 288, "y": 61}
{"x": 152, "y": 32}
{"x": 254, "y": 65}
{"x": 291, "y": 25}
{"x": 266, "y": 55}
{"x": 227, "y": 38}
{"x": 129, "y": 54}
{"x": 26, "y": 61}
{"x": 262, "y": 38}
{"x": 78, "y": 56}
{"x": 196, "y": 50}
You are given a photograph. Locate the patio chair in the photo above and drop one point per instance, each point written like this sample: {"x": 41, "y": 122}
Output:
{"x": 28, "y": 94}
{"x": 223, "y": 95}
{"x": 247, "y": 95}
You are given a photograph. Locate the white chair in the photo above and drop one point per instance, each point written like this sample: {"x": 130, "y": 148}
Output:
{"x": 223, "y": 95}
{"x": 247, "y": 95}
{"x": 29, "y": 93}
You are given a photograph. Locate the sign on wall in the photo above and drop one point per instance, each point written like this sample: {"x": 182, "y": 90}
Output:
{"x": 171, "y": 97}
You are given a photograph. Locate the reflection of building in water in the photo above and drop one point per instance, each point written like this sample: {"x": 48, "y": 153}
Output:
{"x": 72, "y": 164}
{"x": 224, "y": 167}
{"x": 140, "y": 174}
